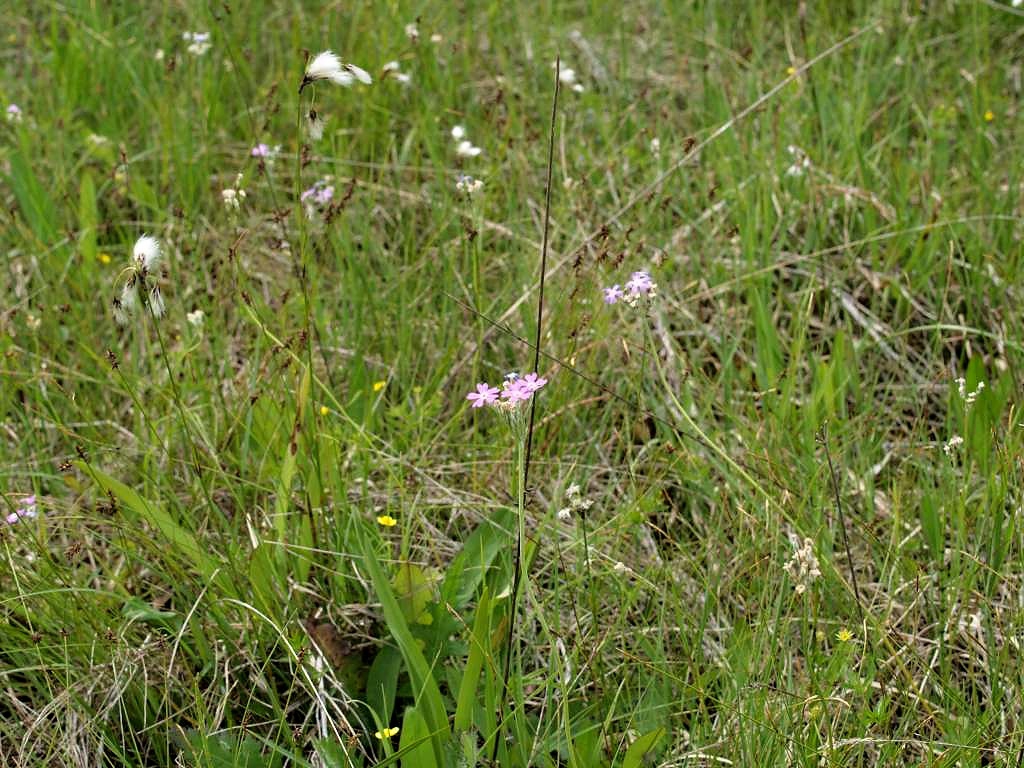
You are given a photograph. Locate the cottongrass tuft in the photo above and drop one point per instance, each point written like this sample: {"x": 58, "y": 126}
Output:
{"x": 327, "y": 65}
{"x": 315, "y": 125}
{"x": 146, "y": 257}
{"x": 392, "y": 70}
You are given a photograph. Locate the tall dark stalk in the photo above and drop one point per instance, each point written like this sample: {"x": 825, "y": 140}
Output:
{"x": 523, "y": 486}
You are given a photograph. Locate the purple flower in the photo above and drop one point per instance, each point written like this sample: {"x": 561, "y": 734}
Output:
{"x": 13, "y": 113}
{"x": 485, "y": 395}
{"x": 532, "y": 382}
{"x": 260, "y": 150}
{"x": 640, "y": 283}
{"x": 613, "y": 295}
{"x": 28, "y": 511}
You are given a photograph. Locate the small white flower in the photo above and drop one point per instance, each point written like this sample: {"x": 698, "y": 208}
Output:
{"x": 567, "y": 76}
{"x": 458, "y": 132}
{"x": 391, "y": 66}
{"x": 412, "y": 31}
{"x": 146, "y": 252}
{"x": 195, "y": 318}
{"x": 466, "y": 149}
{"x": 158, "y": 55}
{"x": 655, "y": 146}
{"x": 565, "y": 514}
{"x": 573, "y": 490}
{"x": 436, "y": 38}
{"x": 621, "y": 567}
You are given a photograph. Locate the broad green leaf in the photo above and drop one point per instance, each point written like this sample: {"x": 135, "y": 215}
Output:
{"x": 415, "y": 742}
{"x": 474, "y": 663}
{"x": 428, "y": 696}
{"x": 640, "y": 748}
{"x": 382, "y": 682}
{"x": 412, "y": 588}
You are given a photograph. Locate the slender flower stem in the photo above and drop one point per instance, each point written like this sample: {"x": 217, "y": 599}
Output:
{"x": 176, "y": 396}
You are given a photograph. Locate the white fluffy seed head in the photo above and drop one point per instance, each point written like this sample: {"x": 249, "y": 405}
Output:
{"x": 156, "y": 302}
{"x": 466, "y": 149}
{"x": 323, "y": 66}
{"x": 147, "y": 252}
{"x": 458, "y": 133}
{"x": 359, "y": 73}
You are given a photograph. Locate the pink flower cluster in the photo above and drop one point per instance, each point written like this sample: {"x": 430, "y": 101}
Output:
{"x": 321, "y": 193}
{"x": 28, "y": 511}
{"x": 639, "y": 284}
{"x": 516, "y": 389}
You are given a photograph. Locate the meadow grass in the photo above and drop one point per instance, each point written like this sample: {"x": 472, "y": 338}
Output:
{"x": 269, "y": 530}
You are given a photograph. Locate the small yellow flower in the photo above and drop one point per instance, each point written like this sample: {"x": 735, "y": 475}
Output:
{"x": 989, "y": 115}
{"x": 844, "y": 635}
{"x": 790, "y": 71}
{"x": 387, "y": 733}
{"x": 103, "y": 257}
{"x": 379, "y": 385}
{"x": 387, "y": 521}
{"x": 324, "y": 410}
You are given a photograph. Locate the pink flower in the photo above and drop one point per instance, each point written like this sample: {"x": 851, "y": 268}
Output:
{"x": 260, "y": 150}
{"x": 321, "y": 193}
{"x": 531, "y": 382}
{"x": 613, "y": 295}
{"x": 640, "y": 283}
{"x": 516, "y": 391}
{"x": 485, "y": 395}
{"x": 28, "y": 511}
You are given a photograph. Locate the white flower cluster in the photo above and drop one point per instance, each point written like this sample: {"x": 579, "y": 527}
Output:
{"x": 463, "y": 146}
{"x": 567, "y": 76}
{"x": 577, "y": 503}
{"x": 801, "y": 162}
{"x": 468, "y": 185}
{"x": 968, "y": 397}
{"x": 198, "y": 42}
{"x": 803, "y": 567}
{"x": 233, "y": 196}
{"x": 950, "y": 446}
